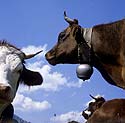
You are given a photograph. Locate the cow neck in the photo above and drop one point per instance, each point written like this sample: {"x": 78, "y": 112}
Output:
{"x": 84, "y": 46}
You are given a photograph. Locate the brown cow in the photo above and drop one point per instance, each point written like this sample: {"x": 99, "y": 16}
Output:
{"x": 102, "y": 111}
{"x": 102, "y": 46}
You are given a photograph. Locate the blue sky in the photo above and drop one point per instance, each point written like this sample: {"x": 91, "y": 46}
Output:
{"x": 34, "y": 25}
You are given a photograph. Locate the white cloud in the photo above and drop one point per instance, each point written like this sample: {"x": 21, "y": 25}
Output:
{"x": 33, "y": 49}
{"x": 70, "y": 116}
{"x": 75, "y": 84}
{"x": 23, "y": 103}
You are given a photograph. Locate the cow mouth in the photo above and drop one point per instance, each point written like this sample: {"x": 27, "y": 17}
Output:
{"x": 61, "y": 60}
{"x": 52, "y": 61}
{"x": 5, "y": 99}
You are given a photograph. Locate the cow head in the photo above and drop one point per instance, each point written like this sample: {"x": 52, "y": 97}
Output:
{"x": 13, "y": 71}
{"x": 66, "y": 49}
{"x": 93, "y": 106}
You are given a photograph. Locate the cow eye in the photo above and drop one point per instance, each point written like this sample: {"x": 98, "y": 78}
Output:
{"x": 91, "y": 103}
{"x": 20, "y": 71}
{"x": 19, "y": 68}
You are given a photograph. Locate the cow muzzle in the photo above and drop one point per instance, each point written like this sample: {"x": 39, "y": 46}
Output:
{"x": 5, "y": 93}
{"x": 51, "y": 58}
{"x": 86, "y": 114}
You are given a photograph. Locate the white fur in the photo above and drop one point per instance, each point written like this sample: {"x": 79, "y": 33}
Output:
{"x": 88, "y": 112}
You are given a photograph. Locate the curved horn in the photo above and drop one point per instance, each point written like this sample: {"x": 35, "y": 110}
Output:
{"x": 93, "y": 97}
{"x": 32, "y": 55}
{"x": 68, "y": 19}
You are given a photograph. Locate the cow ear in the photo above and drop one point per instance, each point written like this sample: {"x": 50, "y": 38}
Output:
{"x": 99, "y": 104}
{"x": 31, "y": 78}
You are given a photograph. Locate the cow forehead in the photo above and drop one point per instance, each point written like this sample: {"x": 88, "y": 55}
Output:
{"x": 13, "y": 60}
{"x": 5, "y": 50}
{"x": 9, "y": 56}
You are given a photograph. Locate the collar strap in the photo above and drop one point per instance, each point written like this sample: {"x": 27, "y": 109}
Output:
{"x": 84, "y": 47}
{"x": 87, "y": 35}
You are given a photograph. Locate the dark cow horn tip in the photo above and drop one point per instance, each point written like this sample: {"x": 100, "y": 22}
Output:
{"x": 64, "y": 13}
{"x": 32, "y": 55}
{"x": 92, "y": 96}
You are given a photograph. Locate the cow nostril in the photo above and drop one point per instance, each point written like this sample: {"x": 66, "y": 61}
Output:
{"x": 7, "y": 88}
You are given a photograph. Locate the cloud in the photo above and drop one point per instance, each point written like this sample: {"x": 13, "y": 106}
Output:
{"x": 70, "y": 116}
{"x": 53, "y": 81}
{"x": 23, "y": 103}
{"x": 33, "y": 49}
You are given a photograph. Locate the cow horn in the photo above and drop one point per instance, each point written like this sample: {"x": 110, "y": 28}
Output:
{"x": 93, "y": 97}
{"x": 67, "y": 19}
{"x": 32, "y": 55}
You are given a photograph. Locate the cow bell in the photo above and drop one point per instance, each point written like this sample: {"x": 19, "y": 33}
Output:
{"x": 84, "y": 71}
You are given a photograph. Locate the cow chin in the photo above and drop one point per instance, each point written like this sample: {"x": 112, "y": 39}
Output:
{"x": 6, "y": 97}
{"x": 52, "y": 62}
{"x": 61, "y": 61}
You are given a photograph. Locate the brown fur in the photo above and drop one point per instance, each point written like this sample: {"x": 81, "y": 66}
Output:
{"x": 111, "y": 111}
{"x": 108, "y": 43}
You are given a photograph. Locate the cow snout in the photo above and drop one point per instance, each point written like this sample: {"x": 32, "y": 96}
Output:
{"x": 6, "y": 94}
{"x": 86, "y": 114}
{"x": 50, "y": 57}
{"x": 4, "y": 89}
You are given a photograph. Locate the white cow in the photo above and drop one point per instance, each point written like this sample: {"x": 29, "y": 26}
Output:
{"x": 12, "y": 72}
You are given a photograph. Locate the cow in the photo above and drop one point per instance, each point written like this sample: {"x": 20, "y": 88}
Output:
{"x": 13, "y": 72}
{"x": 101, "y": 46}
{"x": 102, "y": 111}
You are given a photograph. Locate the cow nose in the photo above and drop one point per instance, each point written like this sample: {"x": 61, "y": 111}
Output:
{"x": 47, "y": 55}
{"x": 4, "y": 88}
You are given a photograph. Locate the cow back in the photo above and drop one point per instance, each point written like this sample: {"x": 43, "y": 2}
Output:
{"x": 108, "y": 43}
